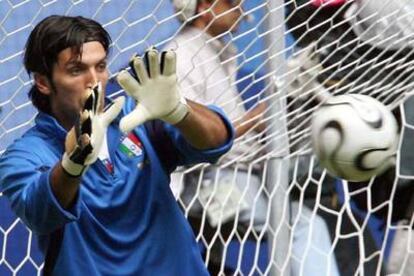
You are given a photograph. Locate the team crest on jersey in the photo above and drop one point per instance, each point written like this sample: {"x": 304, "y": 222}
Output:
{"x": 131, "y": 145}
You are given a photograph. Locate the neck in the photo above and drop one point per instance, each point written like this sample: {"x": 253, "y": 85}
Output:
{"x": 65, "y": 120}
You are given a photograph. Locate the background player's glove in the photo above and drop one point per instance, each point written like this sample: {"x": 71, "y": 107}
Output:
{"x": 84, "y": 140}
{"x": 155, "y": 89}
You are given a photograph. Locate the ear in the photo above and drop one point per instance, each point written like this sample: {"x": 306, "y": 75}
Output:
{"x": 42, "y": 83}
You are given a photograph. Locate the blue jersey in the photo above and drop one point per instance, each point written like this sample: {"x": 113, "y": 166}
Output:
{"x": 125, "y": 220}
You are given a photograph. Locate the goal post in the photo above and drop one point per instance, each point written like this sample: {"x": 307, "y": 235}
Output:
{"x": 277, "y": 180}
{"x": 268, "y": 207}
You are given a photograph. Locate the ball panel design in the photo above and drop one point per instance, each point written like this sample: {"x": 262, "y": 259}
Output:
{"x": 354, "y": 136}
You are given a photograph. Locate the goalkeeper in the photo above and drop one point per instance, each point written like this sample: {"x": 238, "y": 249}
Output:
{"x": 91, "y": 177}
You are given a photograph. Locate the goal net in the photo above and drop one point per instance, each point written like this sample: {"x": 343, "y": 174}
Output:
{"x": 267, "y": 207}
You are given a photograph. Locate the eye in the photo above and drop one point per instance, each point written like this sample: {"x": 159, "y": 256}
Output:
{"x": 75, "y": 71}
{"x": 102, "y": 66}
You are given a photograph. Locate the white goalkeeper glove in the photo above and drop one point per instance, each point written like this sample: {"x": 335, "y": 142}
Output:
{"x": 155, "y": 89}
{"x": 84, "y": 140}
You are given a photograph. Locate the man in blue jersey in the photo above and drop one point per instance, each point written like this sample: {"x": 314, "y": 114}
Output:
{"x": 91, "y": 177}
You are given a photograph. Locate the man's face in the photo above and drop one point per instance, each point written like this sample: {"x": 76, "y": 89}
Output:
{"x": 226, "y": 16}
{"x": 72, "y": 76}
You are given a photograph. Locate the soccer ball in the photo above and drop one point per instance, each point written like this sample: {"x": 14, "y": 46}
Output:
{"x": 354, "y": 136}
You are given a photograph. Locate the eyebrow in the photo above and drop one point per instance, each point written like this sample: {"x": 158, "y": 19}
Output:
{"x": 76, "y": 62}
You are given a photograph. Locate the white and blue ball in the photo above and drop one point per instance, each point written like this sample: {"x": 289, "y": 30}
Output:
{"x": 354, "y": 136}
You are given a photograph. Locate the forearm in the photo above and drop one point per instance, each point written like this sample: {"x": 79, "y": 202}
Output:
{"x": 253, "y": 119}
{"x": 203, "y": 128}
{"x": 64, "y": 187}
{"x": 241, "y": 126}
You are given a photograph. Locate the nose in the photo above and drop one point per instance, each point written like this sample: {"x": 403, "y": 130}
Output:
{"x": 92, "y": 78}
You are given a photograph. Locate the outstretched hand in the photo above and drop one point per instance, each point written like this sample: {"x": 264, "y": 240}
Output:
{"x": 85, "y": 138}
{"x": 155, "y": 89}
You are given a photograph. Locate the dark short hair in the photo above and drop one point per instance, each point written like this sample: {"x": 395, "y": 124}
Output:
{"x": 52, "y": 35}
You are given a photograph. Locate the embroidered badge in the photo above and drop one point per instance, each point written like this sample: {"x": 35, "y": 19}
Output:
{"x": 131, "y": 145}
{"x": 108, "y": 164}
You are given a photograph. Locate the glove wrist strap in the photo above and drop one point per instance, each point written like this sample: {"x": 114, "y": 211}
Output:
{"x": 178, "y": 114}
{"x": 71, "y": 168}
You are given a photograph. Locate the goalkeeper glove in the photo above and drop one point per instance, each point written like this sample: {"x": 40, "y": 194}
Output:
{"x": 155, "y": 89}
{"x": 84, "y": 140}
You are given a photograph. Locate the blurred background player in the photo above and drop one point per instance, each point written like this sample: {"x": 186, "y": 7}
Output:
{"x": 97, "y": 198}
{"x": 207, "y": 75}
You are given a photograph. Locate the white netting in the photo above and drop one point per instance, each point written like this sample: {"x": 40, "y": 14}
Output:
{"x": 267, "y": 207}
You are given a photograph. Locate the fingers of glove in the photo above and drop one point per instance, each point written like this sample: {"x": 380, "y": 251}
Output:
{"x": 71, "y": 140}
{"x": 168, "y": 63}
{"x": 151, "y": 60}
{"x": 78, "y": 144}
{"x": 85, "y": 123}
{"x": 128, "y": 83}
{"x": 112, "y": 112}
{"x": 91, "y": 100}
{"x": 137, "y": 117}
{"x": 84, "y": 143}
{"x": 137, "y": 64}
{"x": 80, "y": 154}
{"x": 99, "y": 96}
